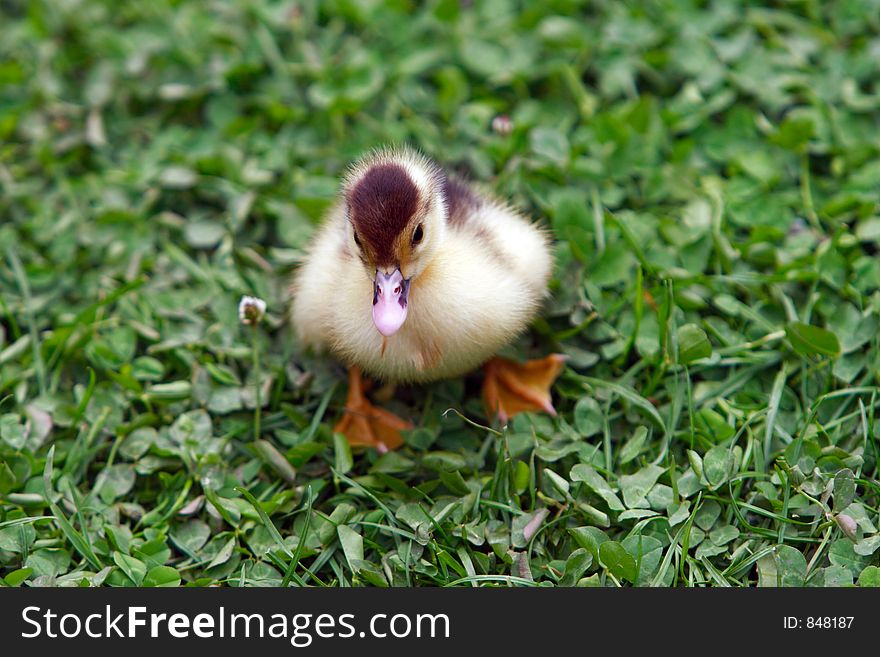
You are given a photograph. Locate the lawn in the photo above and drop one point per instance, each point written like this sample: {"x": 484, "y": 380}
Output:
{"x": 711, "y": 174}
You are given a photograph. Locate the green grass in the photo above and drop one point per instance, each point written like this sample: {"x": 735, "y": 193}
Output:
{"x": 711, "y": 175}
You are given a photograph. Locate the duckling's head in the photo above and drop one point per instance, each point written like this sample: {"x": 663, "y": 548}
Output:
{"x": 397, "y": 216}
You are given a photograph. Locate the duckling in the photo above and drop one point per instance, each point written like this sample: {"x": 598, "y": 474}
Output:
{"x": 416, "y": 276}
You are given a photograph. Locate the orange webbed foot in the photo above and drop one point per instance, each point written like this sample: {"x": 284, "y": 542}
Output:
{"x": 512, "y": 387}
{"x": 366, "y": 425}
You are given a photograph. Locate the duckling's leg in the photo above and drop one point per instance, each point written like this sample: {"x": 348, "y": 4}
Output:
{"x": 365, "y": 425}
{"x": 512, "y": 387}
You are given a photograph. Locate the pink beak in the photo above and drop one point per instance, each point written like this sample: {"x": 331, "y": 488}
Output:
{"x": 389, "y": 301}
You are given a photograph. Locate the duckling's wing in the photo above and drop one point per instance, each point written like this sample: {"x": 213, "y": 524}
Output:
{"x": 520, "y": 246}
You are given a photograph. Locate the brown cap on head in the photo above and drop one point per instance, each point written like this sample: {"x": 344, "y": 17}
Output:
{"x": 381, "y": 203}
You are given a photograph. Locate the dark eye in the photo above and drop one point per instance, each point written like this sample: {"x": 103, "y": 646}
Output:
{"x": 418, "y": 234}
{"x": 357, "y": 240}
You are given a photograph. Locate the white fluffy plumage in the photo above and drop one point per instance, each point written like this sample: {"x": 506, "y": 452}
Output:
{"x": 476, "y": 282}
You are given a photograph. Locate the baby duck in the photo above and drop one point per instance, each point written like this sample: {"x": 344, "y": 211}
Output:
{"x": 416, "y": 276}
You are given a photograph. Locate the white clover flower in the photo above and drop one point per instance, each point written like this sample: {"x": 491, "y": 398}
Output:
{"x": 847, "y": 525}
{"x": 502, "y": 125}
{"x": 251, "y": 310}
